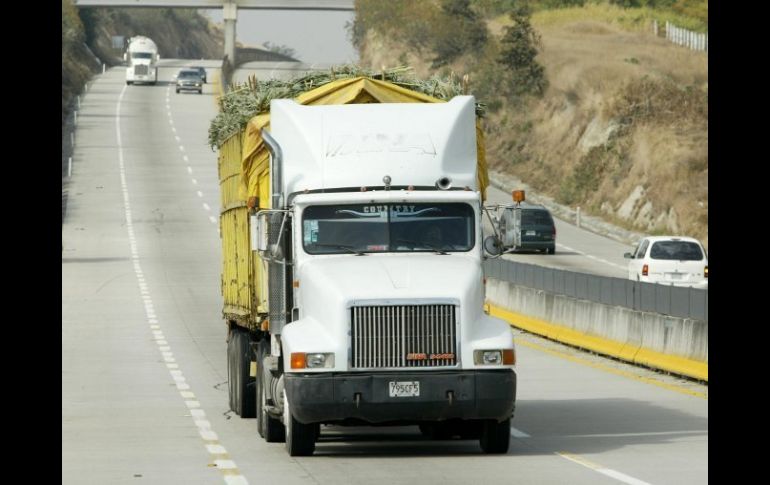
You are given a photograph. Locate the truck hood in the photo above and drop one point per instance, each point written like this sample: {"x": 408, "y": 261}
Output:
{"x": 330, "y": 286}
{"x": 348, "y": 279}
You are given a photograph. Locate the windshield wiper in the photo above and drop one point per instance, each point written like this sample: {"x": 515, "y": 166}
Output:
{"x": 422, "y": 243}
{"x": 342, "y": 246}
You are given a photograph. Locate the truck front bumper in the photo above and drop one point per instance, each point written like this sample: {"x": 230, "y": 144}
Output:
{"x": 480, "y": 394}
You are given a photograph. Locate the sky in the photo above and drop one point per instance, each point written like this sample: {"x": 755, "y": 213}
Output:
{"x": 315, "y": 36}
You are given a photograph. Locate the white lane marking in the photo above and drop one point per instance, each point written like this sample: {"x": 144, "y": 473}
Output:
{"x": 590, "y": 256}
{"x": 177, "y": 138}
{"x": 600, "y": 469}
{"x": 200, "y": 194}
{"x": 184, "y": 157}
{"x": 213, "y": 221}
{"x": 236, "y": 480}
{"x": 197, "y": 412}
{"x": 230, "y": 469}
{"x": 206, "y": 206}
{"x": 181, "y": 148}
{"x": 189, "y": 169}
{"x": 195, "y": 182}
{"x": 173, "y": 129}
{"x": 516, "y": 433}
{"x": 216, "y": 449}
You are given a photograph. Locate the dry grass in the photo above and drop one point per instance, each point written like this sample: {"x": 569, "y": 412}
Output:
{"x": 608, "y": 74}
{"x": 656, "y": 91}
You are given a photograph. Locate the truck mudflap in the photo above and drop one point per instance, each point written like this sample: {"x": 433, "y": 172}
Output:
{"x": 373, "y": 398}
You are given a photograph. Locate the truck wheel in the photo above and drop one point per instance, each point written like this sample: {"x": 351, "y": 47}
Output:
{"x": 300, "y": 438}
{"x": 241, "y": 386}
{"x": 270, "y": 428}
{"x": 550, "y": 250}
{"x": 495, "y": 437}
{"x": 129, "y": 83}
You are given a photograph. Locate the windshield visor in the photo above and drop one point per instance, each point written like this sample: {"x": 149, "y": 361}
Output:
{"x": 393, "y": 228}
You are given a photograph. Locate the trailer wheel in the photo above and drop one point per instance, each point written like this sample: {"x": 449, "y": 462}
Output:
{"x": 241, "y": 386}
{"x": 495, "y": 437}
{"x": 270, "y": 428}
{"x": 300, "y": 437}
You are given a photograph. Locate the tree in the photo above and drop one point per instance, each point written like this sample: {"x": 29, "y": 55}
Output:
{"x": 459, "y": 30}
{"x": 518, "y": 49}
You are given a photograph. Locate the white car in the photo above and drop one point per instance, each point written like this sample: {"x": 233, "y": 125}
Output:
{"x": 670, "y": 260}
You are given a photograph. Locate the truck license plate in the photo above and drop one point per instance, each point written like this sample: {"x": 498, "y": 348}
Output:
{"x": 404, "y": 388}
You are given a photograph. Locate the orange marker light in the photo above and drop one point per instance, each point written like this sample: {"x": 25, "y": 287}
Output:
{"x": 509, "y": 357}
{"x": 298, "y": 360}
{"x": 706, "y": 271}
{"x": 645, "y": 270}
{"x": 518, "y": 195}
{"x": 295, "y": 283}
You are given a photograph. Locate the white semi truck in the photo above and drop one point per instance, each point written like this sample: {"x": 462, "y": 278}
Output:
{"x": 370, "y": 256}
{"x": 142, "y": 58}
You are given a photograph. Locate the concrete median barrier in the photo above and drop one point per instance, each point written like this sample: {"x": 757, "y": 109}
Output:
{"x": 673, "y": 344}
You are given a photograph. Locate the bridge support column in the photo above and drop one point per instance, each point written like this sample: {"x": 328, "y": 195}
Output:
{"x": 230, "y": 14}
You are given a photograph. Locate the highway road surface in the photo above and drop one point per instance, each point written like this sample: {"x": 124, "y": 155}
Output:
{"x": 144, "y": 375}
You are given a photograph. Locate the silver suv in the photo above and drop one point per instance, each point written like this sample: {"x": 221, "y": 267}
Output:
{"x": 189, "y": 80}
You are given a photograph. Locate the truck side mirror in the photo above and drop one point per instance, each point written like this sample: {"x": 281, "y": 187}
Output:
{"x": 492, "y": 246}
{"x": 628, "y": 256}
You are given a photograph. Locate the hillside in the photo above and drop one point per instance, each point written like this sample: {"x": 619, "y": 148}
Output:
{"x": 621, "y": 129}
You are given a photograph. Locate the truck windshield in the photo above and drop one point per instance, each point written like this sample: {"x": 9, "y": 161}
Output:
{"x": 378, "y": 228}
{"x": 141, "y": 55}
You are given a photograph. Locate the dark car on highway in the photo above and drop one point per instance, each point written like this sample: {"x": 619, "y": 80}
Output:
{"x": 528, "y": 227}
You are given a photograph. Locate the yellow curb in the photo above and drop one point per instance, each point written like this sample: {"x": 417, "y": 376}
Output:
{"x": 613, "y": 348}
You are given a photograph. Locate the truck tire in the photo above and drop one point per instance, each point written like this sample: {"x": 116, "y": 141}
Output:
{"x": 270, "y": 428}
{"x": 129, "y": 83}
{"x": 300, "y": 437}
{"x": 495, "y": 437}
{"x": 550, "y": 250}
{"x": 241, "y": 387}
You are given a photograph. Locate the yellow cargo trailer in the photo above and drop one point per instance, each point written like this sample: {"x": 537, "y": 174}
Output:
{"x": 244, "y": 179}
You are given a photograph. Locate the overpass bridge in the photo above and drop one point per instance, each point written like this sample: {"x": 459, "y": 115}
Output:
{"x": 229, "y": 9}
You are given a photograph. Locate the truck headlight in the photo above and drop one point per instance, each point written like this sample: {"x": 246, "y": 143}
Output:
{"x": 494, "y": 357}
{"x": 311, "y": 360}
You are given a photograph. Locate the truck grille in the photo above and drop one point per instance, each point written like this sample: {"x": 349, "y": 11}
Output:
{"x": 403, "y": 336}
{"x": 141, "y": 69}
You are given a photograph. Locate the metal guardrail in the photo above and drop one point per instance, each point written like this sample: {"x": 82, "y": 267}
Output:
{"x": 683, "y": 302}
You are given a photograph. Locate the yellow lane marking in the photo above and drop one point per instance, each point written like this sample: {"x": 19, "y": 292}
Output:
{"x": 647, "y": 380}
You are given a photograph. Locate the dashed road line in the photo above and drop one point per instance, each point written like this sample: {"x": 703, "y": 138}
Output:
{"x": 222, "y": 461}
{"x": 600, "y": 469}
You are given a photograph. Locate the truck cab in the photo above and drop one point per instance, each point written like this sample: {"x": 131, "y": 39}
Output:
{"x": 376, "y": 287}
{"x": 142, "y": 58}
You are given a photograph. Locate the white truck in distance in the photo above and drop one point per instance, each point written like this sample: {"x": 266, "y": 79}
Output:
{"x": 376, "y": 284}
{"x": 142, "y": 57}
